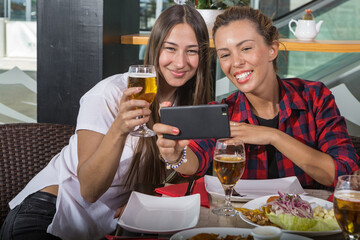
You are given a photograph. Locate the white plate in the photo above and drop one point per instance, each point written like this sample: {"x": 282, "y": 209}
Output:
{"x": 228, "y": 231}
{"x": 258, "y": 202}
{"x": 254, "y": 188}
{"x": 151, "y": 214}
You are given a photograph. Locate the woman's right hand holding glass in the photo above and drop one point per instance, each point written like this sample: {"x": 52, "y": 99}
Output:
{"x": 130, "y": 110}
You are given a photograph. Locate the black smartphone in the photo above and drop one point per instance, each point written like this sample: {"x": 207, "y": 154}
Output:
{"x": 197, "y": 122}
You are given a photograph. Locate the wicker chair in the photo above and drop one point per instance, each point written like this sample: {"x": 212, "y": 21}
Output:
{"x": 25, "y": 149}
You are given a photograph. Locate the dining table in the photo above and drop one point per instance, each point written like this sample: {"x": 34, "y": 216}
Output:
{"x": 209, "y": 219}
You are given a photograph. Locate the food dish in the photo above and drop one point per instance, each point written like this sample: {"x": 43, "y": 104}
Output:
{"x": 254, "y": 188}
{"x": 183, "y": 235}
{"x": 258, "y": 202}
{"x": 151, "y": 214}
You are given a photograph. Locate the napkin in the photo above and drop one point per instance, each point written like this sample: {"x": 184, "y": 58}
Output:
{"x": 331, "y": 198}
{"x": 178, "y": 190}
{"x": 254, "y": 188}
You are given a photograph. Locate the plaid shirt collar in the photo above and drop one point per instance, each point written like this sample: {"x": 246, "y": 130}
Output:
{"x": 290, "y": 100}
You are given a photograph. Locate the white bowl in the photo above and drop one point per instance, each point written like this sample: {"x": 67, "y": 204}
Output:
{"x": 150, "y": 214}
{"x": 266, "y": 233}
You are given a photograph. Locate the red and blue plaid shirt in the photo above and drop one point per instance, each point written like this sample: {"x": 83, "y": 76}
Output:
{"x": 307, "y": 112}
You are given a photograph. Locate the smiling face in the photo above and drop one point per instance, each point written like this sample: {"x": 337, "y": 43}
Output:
{"x": 244, "y": 56}
{"x": 179, "y": 55}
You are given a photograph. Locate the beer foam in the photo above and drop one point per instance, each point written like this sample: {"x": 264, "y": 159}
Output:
{"x": 142, "y": 75}
{"x": 228, "y": 158}
{"x": 349, "y": 195}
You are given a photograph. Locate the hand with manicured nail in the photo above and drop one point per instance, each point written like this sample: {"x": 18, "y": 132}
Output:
{"x": 169, "y": 149}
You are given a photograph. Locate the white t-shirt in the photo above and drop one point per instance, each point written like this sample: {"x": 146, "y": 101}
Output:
{"x": 75, "y": 218}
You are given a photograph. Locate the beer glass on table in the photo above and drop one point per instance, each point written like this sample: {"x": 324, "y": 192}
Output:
{"x": 347, "y": 205}
{"x": 229, "y": 166}
{"x": 143, "y": 76}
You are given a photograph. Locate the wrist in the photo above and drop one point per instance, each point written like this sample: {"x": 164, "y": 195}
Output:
{"x": 175, "y": 164}
{"x": 275, "y": 137}
{"x": 117, "y": 131}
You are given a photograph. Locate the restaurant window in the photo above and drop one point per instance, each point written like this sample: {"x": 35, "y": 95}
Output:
{"x": 150, "y": 10}
{"x": 333, "y": 69}
{"x": 18, "y": 92}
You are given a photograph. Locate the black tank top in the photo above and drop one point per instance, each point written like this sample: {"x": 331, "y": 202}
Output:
{"x": 272, "y": 168}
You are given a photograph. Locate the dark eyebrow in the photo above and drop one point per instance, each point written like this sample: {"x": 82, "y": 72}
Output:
{"x": 171, "y": 43}
{"x": 237, "y": 45}
{"x": 189, "y": 46}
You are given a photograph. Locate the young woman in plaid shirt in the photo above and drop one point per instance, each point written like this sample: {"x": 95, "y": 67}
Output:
{"x": 292, "y": 127}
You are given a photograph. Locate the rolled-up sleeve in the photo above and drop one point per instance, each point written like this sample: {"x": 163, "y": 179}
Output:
{"x": 204, "y": 150}
{"x": 332, "y": 135}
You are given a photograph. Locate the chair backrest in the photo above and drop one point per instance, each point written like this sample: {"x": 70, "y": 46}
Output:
{"x": 25, "y": 149}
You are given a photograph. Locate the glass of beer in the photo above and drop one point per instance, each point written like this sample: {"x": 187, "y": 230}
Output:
{"x": 229, "y": 166}
{"x": 347, "y": 205}
{"x": 143, "y": 76}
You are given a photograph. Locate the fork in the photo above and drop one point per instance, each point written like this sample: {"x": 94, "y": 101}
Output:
{"x": 190, "y": 186}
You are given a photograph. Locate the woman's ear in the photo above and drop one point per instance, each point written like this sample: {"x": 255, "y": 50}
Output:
{"x": 273, "y": 50}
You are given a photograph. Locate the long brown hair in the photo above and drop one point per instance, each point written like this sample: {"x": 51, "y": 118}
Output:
{"x": 198, "y": 90}
{"x": 263, "y": 24}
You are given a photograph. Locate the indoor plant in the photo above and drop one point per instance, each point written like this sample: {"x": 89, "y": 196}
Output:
{"x": 209, "y": 9}
{"x": 217, "y": 4}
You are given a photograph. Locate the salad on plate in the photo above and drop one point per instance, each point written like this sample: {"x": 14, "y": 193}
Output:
{"x": 291, "y": 212}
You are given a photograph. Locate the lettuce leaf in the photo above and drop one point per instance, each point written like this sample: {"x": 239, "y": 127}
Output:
{"x": 290, "y": 222}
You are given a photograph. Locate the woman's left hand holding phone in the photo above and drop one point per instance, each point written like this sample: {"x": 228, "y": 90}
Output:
{"x": 171, "y": 150}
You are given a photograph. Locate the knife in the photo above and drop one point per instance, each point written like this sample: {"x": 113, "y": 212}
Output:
{"x": 190, "y": 186}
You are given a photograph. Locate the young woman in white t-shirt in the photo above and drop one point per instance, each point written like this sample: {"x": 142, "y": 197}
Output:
{"x": 76, "y": 196}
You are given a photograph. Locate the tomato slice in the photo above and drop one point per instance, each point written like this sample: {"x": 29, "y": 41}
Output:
{"x": 272, "y": 198}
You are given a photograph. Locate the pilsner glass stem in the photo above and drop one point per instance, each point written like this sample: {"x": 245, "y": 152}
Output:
{"x": 142, "y": 128}
{"x": 228, "y": 193}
